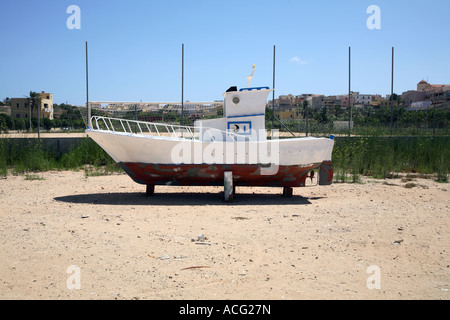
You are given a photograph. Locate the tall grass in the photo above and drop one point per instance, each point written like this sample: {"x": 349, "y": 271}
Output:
{"x": 382, "y": 157}
{"x": 25, "y": 156}
{"x": 353, "y": 157}
{"x": 31, "y": 155}
{"x": 90, "y": 156}
{"x": 3, "y": 158}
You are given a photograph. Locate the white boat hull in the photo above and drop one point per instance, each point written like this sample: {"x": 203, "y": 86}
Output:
{"x": 161, "y": 160}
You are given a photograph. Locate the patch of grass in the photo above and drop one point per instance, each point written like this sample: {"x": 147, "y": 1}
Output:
{"x": 30, "y": 155}
{"x": 353, "y": 157}
{"x": 33, "y": 177}
{"x": 384, "y": 157}
{"x": 410, "y": 185}
{"x": 88, "y": 153}
{"x": 3, "y": 156}
{"x": 390, "y": 184}
{"x": 442, "y": 168}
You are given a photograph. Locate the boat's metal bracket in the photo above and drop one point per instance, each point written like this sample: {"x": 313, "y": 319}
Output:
{"x": 228, "y": 186}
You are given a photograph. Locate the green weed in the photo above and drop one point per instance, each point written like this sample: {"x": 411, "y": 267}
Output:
{"x": 383, "y": 157}
{"x": 353, "y": 157}
{"x": 30, "y": 155}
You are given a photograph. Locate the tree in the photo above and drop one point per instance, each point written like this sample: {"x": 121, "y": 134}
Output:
{"x": 7, "y": 120}
{"x": 3, "y": 126}
{"x": 337, "y": 111}
{"x": 268, "y": 113}
{"x": 20, "y": 123}
{"x": 7, "y": 101}
{"x": 323, "y": 117}
{"x": 48, "y": 124}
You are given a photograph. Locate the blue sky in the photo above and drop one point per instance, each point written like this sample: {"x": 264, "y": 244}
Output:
{"x": 135, "y": 47}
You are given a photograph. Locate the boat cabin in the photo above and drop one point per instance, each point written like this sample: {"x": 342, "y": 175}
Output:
{"x": 244, "y": 116}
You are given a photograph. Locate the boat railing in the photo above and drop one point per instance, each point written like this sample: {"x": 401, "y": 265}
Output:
{"x": 153, "y": 129}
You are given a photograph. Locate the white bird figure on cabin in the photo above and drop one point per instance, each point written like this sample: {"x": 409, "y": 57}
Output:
{"x": 250, "y": 77}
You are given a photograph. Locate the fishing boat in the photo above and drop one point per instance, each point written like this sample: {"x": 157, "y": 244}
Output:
{"x": 235, "y": 150}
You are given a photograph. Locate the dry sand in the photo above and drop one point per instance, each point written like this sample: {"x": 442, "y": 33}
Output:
{"x": 319, "y": 244}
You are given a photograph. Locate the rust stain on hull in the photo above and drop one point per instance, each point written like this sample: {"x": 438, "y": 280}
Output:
{"x": 213, "y": 174}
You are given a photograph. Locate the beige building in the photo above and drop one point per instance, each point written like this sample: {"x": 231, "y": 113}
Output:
{"x": 382, "y": 102}
{"x": 428, "y": 92}
{"x": 287, "y": 114}
{"x": 20, "y": 107}
{"x": 5, "y": 110}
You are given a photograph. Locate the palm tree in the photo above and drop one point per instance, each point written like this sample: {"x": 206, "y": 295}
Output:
{"x": 31, "y": 100}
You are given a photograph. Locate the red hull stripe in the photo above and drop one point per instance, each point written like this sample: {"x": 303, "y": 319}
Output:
{"x": 213, "y": 174}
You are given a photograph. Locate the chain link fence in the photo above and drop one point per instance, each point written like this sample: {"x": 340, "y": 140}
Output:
{"x": 301, "y": 122}
{"x": 365, "y": 122}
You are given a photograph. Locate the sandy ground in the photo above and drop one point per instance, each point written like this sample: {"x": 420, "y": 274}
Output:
{"x": 373, "y": 240}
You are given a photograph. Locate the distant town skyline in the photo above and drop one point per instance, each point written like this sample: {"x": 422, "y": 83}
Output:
{"x": 135, "y": 47}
